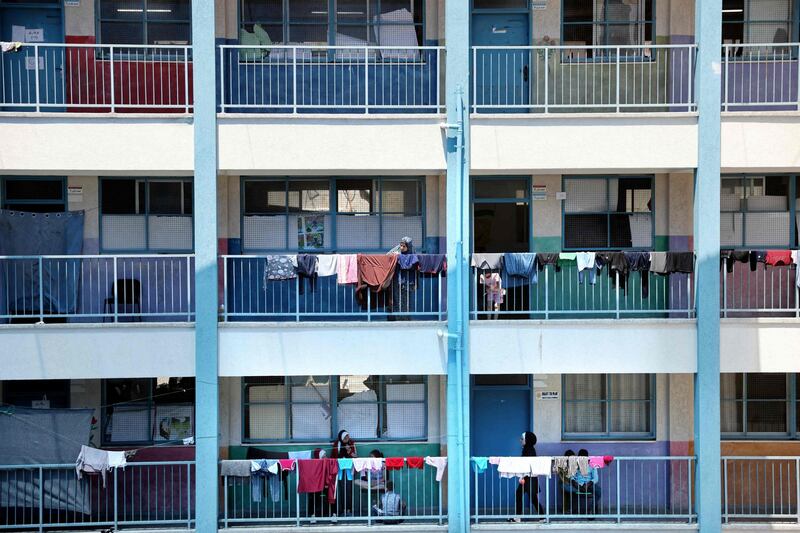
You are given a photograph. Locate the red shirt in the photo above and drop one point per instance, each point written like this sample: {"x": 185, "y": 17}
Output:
{"x": 316, "y": 474}
{"x": 779, "y": 257}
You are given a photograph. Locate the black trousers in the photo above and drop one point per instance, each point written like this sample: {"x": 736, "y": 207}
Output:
{"x": 531, "y": 488}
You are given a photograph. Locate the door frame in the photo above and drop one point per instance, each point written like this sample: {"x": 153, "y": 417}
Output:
{"x": 473, "y": 201}
{"x": 526, "y": 388}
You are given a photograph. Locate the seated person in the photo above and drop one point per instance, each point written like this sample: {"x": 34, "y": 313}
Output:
{"x": 391, "y": 505}
{"x": 585, "y": 488}
{"x": 375, "y": 479}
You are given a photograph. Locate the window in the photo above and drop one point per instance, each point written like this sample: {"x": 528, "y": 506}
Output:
{"x": 757, "y": 405}
{"x": 44, "y": 394}
{"x": 147, "y": 411}
{"x": 355, "y": 23}
{"x": 607, "y": 22}
{"x": 609, "y": 405}
{"x": 324, "y": 214}
{"x": 756, "y": 211}
{"x": 34, "y": 194}
{"x": 608, "y": 213}
{"x": 145, "y": 22}
{"x": 299, "y": 408}
{"x": 146, "y": 214}
{"x": 757, "y": 21}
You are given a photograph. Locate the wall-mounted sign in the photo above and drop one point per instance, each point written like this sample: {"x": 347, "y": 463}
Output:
{"x": 72, "y": 3}
{"x": 561, "y": 196}
{"x": 539, "y": 192}
{"x": 547, "y": 395}
{"x": 538, "y": 4}
{"x": 75, "y": 194}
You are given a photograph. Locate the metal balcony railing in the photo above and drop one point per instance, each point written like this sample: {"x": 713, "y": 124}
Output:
{"x": 97, "y": 78}
{"x": 760, "y": 77}
{"x": 96, "y": 288}
{"x": 763, "y": 292}
{"x": 331, "y": 79}
{"x": 760, "y": 489}
{"x": 545, "y": 79}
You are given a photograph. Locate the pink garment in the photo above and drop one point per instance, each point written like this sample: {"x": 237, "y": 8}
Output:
{"x": 347, "y": 269}
{"x": 440, "y": 463}
{"x": 287, "y": 464}
{"x": 597, "y": 461}
{"x": 494, "y": 287}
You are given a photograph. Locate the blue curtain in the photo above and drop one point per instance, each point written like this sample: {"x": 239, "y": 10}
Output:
{"x": 33, "y": 234}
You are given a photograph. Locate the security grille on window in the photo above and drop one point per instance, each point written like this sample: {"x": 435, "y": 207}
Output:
{"x": 755, "y": 211}
{"x": 607, "y": 22}
{"x": 608, "y": 213}
{"x": 146, "y": 215}
{"x": 367, "y": 214}
{"x": 301, "y": 408}
{"x": 356, "y": 22}
{"x": 756, "y": 405}
{"x": 609, "y": 405}
{"x": 164, "y": 22}
{"x": 147, "y": 411}
{"x": 757, "y": 21}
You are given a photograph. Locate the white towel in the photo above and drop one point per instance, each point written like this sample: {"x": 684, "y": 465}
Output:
{"x": 326, "y": 265}
{"x": 524, "y": 466}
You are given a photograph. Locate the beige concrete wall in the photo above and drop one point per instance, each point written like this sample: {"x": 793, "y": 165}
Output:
{"x": 681, "y": 204}
{"x": 680, "y": 403}
{"x": 681, "y": 17}
{"x": 546, "y": 214}
{"x": 89, "y": 202}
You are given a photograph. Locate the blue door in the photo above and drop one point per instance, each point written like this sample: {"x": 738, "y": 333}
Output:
{"x": 36, "y": 24}
{"x": 501, "y": 410}
{"x": 502, "y": 75}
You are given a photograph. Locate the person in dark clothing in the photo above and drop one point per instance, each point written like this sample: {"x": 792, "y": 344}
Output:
{"x": 344, "y": 447}
{"x": 528, "y": 485}
{"x": 567, "y": 488}
{"x": 405, "y": 280}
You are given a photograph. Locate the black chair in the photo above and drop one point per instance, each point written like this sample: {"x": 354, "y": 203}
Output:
{"x": 129, "y": 294}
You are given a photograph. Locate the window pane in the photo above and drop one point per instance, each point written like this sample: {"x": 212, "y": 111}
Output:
{"x": 356, "y": 196}
{"x": 349, "y": 11}
{"x": 262, "y": 11}
{"x": 308, "y": 11}
{"x": 630, "y": 386}
{"x": 169, "y": 33}
{"x": 500, "y": 4}
{"x": 732, "y": 416}
{"x": 630, "y": 417}
{"x": 577, "y": 11}
{"x": 166, "y": 197}
{"x": 23, "y": 393}
{"x": 585, "y": 417}
{"x": 631, "y": 195}
{"x": 578, "y": 35}
{"x": 586, "y": 195}
{"x": 169, "y": 10}
{"x": 766, "y": 417}
{"x": 174, "y": 390}
{"x": 309, "y": 196}
{"x": 122, "y": 9}
{"x": 264, "y": 197}
{"x": 501, "y": 379}
{"x": 585, "y": 387}
{"x": 769, "y": 10}
{"x": 401, "y": 197}
{"x": 122, "y": 32}
{"x": 357, "y": 409}
{"x": 311, "y": 410}
{"x": 120, "y": 197}
{"x": 24, "y": 189}
{"x": 731, "y": 386}
{"x": 500, "y": 188}
{"x": 308, "y": 33}
{"x": 586, "y": 232}
{"x": 631, "y": 231}
{"x": 265, "y": 416}
{"x": 766, "y": 387}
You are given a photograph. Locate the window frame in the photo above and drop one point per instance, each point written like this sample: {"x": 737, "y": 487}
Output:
{"x": 99, "y": 20}
{"x": 793, "y": 22}
{"x": 606, "y": 24}
{"x": 608, "y": 402}
{"x": 792, "y": 198}
{"x": 333, "y": 384}
{"x": 608, "y": 213}
{"x": 331, "y": 23}
{"x": 149, "y": 404}
{"x": 19, "y": 205}
{"x": 791, "y": 403}
{"x": 333, "y": 211}
{"x": 146, "y": 213}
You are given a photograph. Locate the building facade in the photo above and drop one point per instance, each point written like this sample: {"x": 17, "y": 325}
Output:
{"x": 170, "y": 167}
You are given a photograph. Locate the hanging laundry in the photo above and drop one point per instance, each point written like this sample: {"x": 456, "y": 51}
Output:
{"x": 287, "y": 464}
{"x": 316, "y": 475}
{"x": 487, "y": 261}
{"x": 10, "y": 46}
{"x": 778, "y": 257}
{"x": 757, "y": 256}
{"x": 567, "y": 258}
{"x": 432, "y": 263}
{"x": 326, "y": 265}
{"x": 658, "y": 262}
{"x": 729, "y": 257}
{"x": 587, "y": 261}
{"x": 279, "y": 267}
{"x": 579, "y": 463}
{"x": 520, "y": 269}
{"x": 618, "y": 268}
{"x": 680, "y": 262}
{"x": 597, "y": 461}
{"x": 375, "y": 274}
{"x": 480, "y": 464}
{"x": 347, "y": 269}
{"x": 302, "y": 454}
{"x": 345, "y": 468}
{"x": 544, "y": 259}
{"x": 564, "y": 468}
{"x": 407, "y": 261}
{"x": 373, "y": 464}
{"x": 795, "y": 259}
{"x": 415, "y": 462}
{"x": 94, "y": 461}
{"x": 640, "y": 262}
{"x": 265, "y": 470}
{"x": 521, "y": 467}
{"x": 307, "y": 269}
{"x": 235, "y": 468}
{"x": 440, "y": 463}
{"x": 394, "y": 463}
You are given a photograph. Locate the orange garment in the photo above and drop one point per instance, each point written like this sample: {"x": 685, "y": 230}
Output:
{"x": 376, "y": 272}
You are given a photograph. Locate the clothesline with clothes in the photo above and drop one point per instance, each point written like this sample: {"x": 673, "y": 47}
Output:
{"x": 500, "y": 271}
{"x": 522, "y": 467}
{"x": 728, "y": 258}
{"x": 319, "y": 474}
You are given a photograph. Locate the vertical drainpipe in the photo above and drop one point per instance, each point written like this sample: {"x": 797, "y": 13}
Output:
{"x": 458, "y": 239}
{"x": 708, "y": 24}
{"x": 205, "y": 231}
